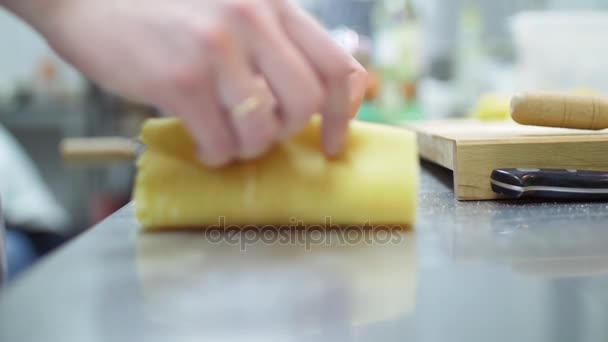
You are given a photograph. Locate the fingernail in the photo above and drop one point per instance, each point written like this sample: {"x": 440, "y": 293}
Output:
{"x": 216, "y": 163}
{"x": 248, "y": 155}
{"x": 200, "y": 156}
{"x": 208, "y": 160}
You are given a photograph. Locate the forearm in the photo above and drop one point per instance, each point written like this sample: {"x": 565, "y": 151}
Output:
{"x": 37, "y": 13}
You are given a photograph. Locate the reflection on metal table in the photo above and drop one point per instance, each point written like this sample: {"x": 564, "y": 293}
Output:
{"x": 473, "y": 271}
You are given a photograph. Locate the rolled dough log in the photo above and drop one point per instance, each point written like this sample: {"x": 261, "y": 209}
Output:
{"x": 374, "y": 181}
{"x": 564, "y": 110}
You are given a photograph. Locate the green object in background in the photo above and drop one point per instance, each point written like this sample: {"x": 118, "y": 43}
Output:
{"x": 370, "y": 112}
{"x": 396, "y": 51}
{"x": 412, "y": 112}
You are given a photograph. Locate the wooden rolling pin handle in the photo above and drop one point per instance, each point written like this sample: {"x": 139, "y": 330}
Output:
{"x": 560, "y": 110}
{"x": 98, "y": 149}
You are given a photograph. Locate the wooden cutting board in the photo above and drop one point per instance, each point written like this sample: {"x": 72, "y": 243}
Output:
{"x": 472, "y": 149}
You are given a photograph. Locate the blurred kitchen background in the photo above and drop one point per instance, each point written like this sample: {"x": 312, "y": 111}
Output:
{"x": 429, "y": 59}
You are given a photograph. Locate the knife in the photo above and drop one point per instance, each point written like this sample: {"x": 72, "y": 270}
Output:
{"x": 554, "y": 109}
{"x": 559, "y": 184}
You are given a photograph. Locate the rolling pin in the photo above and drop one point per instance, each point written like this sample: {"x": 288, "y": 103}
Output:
{"x": 99, "y": 149}
{"x": 560, "y": 110}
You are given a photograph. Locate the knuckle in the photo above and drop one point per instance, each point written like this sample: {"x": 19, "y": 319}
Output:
{"x": 214, "y": 38}
{"x": 244, "y": 10}
{"x": 315, "y": 99}
{"x": 338, "y": 73}
{"x": 183, "y": 77}
{"x": 188, "y": 76}
{"x": 362, "y": 74}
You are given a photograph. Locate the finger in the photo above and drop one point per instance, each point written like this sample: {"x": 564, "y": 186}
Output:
{"x": 293, "y": 81}
{"x": 255, "y": 121}
{"x": 206, "y": 123}
{"x": 358, "y": 86}
{"x": 248, "y": 104}
{"x": 336, "y": 117}
{"x": 333, "y": 64}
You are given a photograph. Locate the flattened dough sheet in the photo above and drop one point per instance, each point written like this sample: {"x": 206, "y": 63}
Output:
{"x": 374, "y": 181}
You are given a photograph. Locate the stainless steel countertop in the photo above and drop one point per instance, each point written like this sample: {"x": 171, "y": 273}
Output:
{"x": 473, "y": 271}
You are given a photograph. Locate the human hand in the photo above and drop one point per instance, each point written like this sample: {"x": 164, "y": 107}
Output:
{"x": 242, "y": 74}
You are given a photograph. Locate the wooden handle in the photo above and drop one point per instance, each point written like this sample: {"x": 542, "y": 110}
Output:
{"x": 105, "y": 149}
{"x": 560, "y": 110}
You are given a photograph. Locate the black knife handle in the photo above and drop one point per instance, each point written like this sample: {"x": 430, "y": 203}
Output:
{"x": 550, "y": 184}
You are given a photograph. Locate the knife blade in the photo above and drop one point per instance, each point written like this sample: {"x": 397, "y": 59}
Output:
{"x": 561, "y": 184}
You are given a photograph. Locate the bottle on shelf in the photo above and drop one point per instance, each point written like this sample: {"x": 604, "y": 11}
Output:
{"x": 396, "y": 59}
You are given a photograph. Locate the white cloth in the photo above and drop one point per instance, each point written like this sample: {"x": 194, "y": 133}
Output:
{"x": 26, "y": 201}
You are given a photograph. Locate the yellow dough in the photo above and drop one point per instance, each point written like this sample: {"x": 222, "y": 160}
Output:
{"x": 374, "y": 181}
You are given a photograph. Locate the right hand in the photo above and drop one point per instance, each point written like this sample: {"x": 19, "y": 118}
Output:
{"x": 203, "y": 60}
